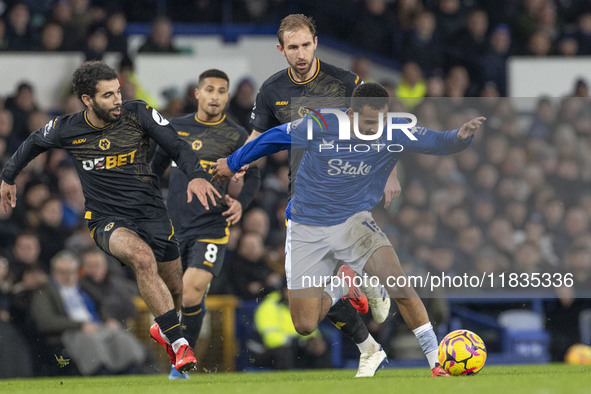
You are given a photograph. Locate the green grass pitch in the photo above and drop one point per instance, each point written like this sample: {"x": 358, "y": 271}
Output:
{"x": 551, "y": 378}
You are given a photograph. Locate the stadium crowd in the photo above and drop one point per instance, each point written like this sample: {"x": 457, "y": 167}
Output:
{"x": 516, "y": 201}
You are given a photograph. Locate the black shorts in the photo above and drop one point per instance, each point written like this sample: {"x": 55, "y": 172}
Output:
{"x": 204, "y": 255}
{"x": 157, "y": 233}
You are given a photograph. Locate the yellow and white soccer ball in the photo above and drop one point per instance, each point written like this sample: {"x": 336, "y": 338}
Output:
{"x": 462, "y": 352}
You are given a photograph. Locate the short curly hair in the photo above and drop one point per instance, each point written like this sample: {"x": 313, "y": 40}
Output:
{"x": 371, "y": 94}
{"x": 88, "y": 75}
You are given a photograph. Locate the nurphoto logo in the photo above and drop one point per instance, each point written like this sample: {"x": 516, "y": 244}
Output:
{"x": 402, "y": 121}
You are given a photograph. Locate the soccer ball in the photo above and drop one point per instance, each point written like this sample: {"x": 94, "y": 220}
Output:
{"x": 578, "y": 354}
{"x": 462, "y": 352}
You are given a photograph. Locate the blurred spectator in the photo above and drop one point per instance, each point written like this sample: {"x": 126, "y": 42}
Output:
{"x": 372, "y": 29}
{"x": 495, "y": 59}
{"x": 500, "y": 235}
{"x": 83, "y": 17}
{"x": 539, "y": 44}
{"x": 72, "y": 199}
{"x": 256, "y": 221}
{"x": 411, "y": 89}
{"x": 96, "y": 44}
{"x": 451, "y": 19}
{"x": 21, "y": 105}
{"x": 71, "y": 315}
{"x": 5, "y": 124}
{"x": 468, "y": 243}
{"x": 284, "y": 348}
{"x": 252, "y": 278}
{"x": 9, "y": 227}
{"x": 583, "y": 34}
{"x": 362, "y": 67}
{"x": 547, "y": 19}
{"x": 576, "y": 223}
{"x": 435, "y": 86}
{"x": 457, "y": 82}
{"x": 62, "y": 14}
{"x": 536, "y": 233}
{"x": 3, "y": 38}
{"x": 528, "y": 259}
{"x": 6, "y": 282}
{"x": 578, "y": 262}
{"x": 525, "y": 23}
{"x": 117, "y": 292}
{"x": 275, "y": 189}
{"x": 52, "y": 37}
{"x": 160, "y": 39}
{"x": 25, "y": 254}
{"x": 241, "y": 104}
{"x": 544, "y": 119}
{"x": 131, "y": 89}
{"x": 487, "y": 261}
{"x": 174, "y": 102}
{"x": 203, "y": 11}
{"x": 19, "y": 32}
{"x": 581, "y": 88}
{"x": 27, "y": 214}
{"x": 71, "y": 105}
{"x": 15, "y": 358}
{"x": 116, "y": 36}
{"x": 422, "y": 45}
{"x": 442, "y": 259}
{"x": 191, "y": 100}
{"x": 23, "y": 290}
{"x": 407, "y": 12}
{"x": 469, "y": 47}
{"x": 52, "y": 236}
{"x": 567, "y": 46}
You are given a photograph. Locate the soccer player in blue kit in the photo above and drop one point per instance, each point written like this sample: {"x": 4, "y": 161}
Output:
{"x": 291, "y": 90}
{"x": 329, "y": 218}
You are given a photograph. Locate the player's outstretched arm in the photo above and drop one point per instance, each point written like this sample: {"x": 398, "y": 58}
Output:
{"x": 433, "y": 142}
{"x": 469, "y": 128}
{"x": 203, "y": 190}
{"x": 7, "y": 195}
{"x": 272, "y": 141}
{"x": 254, "y": 134}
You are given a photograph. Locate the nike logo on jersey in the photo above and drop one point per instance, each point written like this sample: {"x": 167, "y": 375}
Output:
{"x": 337, "y": 167}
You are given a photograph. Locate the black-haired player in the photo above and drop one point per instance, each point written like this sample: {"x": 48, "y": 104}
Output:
{"x": 109, "y": 142}
{"x": 307, "y": 76}
{"x": 203, "y": 234}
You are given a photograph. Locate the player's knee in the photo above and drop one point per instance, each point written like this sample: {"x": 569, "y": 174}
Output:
{"x": 143, "y": 260}
{"x": 304, "y": 326}
{"x": 192, "y": 294}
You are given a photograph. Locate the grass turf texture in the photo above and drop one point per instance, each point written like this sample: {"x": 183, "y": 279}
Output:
{"x": 552, "y": 378}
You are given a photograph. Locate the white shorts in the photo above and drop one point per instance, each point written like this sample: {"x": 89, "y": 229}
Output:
{"x": 312, "y": 252}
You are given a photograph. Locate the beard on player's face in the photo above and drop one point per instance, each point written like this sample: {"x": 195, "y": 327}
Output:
{"x": 105, "y": 113}
{"x": 296, "y": 62}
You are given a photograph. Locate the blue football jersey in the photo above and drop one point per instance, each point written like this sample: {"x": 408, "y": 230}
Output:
{"x": 340, "y": 177}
